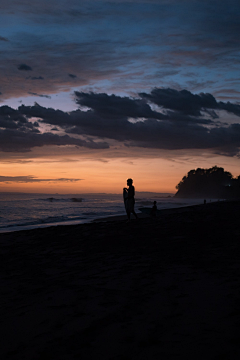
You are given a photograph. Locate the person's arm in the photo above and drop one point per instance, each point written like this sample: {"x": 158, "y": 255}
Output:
{"x": 131, "y": 192}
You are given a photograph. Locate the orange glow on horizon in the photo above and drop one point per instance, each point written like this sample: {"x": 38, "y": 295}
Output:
{"x": 150, "y": 175}
{"x": 109, "y": 177}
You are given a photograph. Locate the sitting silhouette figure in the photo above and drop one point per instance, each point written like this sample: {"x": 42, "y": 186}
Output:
{"x": 154, "y": 209}
{"x": 129, "y": 200}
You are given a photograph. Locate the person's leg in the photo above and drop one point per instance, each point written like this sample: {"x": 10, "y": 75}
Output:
{"x": 128, "y": 215}
{"x": 135, "y": 214}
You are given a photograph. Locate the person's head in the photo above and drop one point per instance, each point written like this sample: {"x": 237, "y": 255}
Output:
{"x": 129, "y": 182}
{"x": 154, "y": 202}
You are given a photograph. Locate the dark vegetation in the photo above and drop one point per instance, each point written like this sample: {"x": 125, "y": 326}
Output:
{"x": 212, "y": 183}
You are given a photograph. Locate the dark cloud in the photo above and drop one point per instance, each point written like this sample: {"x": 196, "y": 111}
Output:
{"x": 229, "y": 107}
{"x": 183, "y": 123}
{"x": 162, "y": 134}
{"x": 106, "y": 106}
{"x": 115, "y": 106}
{"x": 181, "y": 128}
{"x": 40, "y": 95}
{"x": 13, "y": 119}
{"x": 24, "y": 67}
{"x": 132, "y": 122}
{"x": 183, "y": 101}
{"x": 37, "y": 78}
{"x": 3, "y": 38}
{"x": 187, "y": 103}
{"x": 49, "y": 115}
{"x": 72, "y": 76}
{"x": 31, "y": 179}
{"x": 12, "y": 140}
{"x": 18, "y": 134}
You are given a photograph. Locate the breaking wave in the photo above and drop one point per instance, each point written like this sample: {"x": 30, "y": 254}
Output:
{"x": 52, "y": 199}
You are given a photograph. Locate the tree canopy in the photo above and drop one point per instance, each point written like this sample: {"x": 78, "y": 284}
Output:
{"x": 214, "y": 182}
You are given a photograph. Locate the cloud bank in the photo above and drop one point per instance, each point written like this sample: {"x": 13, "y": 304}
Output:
{"x": 165, "y": 119}
{"x": 24, "y": 67}
{"x": 32, "y": 179}
{"x": 123, "y": 45}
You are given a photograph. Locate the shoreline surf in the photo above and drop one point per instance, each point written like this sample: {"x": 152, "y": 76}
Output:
{"x": 99, "y": 218}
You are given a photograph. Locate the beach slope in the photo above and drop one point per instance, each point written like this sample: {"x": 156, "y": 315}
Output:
{"x": 154, "y": 288}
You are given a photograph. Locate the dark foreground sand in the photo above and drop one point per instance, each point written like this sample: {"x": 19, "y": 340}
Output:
{"x": 165, "y": 288}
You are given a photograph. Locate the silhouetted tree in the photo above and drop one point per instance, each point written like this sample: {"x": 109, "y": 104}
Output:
{"x": 214, "y": 182}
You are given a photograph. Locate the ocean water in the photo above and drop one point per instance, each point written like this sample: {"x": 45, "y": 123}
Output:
{"x": 20, "y": 211}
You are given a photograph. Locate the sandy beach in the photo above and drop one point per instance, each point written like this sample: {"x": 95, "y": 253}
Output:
{"x": 154, "y": 288}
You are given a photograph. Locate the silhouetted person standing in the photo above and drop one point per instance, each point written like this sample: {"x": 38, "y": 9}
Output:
{"x": 129, "y": 200}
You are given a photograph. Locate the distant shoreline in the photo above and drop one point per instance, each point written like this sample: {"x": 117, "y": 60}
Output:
{"x": 86, "y": 193}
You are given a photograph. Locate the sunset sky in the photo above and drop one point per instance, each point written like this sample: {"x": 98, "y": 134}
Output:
{"x": 94, "y": 92}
